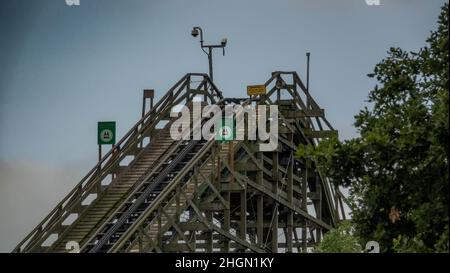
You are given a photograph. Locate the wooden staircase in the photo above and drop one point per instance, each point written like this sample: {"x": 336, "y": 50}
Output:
{"x": 108, "y": 201}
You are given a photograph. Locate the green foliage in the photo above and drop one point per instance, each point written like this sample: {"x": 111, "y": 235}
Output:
{"x": 400, "y": 159}
{"x": 340, "y": 240}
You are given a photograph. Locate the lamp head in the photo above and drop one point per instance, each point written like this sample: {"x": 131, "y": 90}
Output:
{"x": 194, "y": 32}
{"x": 224, "y": 41}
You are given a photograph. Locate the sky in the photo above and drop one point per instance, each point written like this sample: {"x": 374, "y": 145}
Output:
{"x": 63, "y": 68}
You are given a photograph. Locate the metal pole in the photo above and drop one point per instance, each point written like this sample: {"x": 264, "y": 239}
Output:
{"x": 195, "y": 32}
{"x": 99, "y": 152}
{"x": 307, "y": 80}
{"x": 210, "y": 64}
{"x": 99, "y": 157}
{"x": 307, "y": 70}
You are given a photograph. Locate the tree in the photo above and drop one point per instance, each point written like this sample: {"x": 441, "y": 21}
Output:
{"x": 340, "y": 240}
{"x": 397, "y": 169}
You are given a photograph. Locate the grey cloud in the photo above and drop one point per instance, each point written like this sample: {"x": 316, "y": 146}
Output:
{"x": 28, "y": 191}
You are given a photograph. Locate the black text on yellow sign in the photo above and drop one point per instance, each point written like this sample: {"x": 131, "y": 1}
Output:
{"x": 256, "y": 90}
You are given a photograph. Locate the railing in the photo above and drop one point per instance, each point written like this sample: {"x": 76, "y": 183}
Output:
{"x": 305, "y": 105}
{"x": 200, "y": 154}
{"x": 91, "y": 181}
{"x": 199, "y": 158}
{"x": 145, "y": 126}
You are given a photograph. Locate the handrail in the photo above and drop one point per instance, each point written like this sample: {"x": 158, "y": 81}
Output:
{"x": 201, "y": 152}
{"x": 79, "y": 189}
{"x": 93, "y": 203}
{"x": 136, "y": 188}
{"x": 141, "y": 199}
{"x": 165, "y": 193}
{"x": 167, "y": 190}
{"x": 113, "y": 156}
{"x": 76, "y": 189}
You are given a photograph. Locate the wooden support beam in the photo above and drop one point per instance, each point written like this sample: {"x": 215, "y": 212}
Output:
{"x": 304, "y": 204}
{"x": 243, "y": 216}
{"x": 260, "y": 205}
{"x": 275, "y": 229}
{"x": 223, "y": 232}
{"x": 302, "y": 113}
{"x": 281, "y": 201}
{"x": 320, "y": 134}
{"x": 290, "y": 191}
{"x": 318, "y": 205}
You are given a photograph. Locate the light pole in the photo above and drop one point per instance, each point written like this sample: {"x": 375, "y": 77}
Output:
{"x": 198, "y": 30}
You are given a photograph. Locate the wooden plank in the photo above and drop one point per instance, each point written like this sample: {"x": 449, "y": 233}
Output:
{"x": 305, "y": 113}
{"x": 320, "y": 134}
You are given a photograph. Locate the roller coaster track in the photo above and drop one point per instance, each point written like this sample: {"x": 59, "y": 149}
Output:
{"x": 151, "y": 193}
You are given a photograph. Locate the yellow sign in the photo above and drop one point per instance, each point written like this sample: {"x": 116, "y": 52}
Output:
{"x": 256, "y": 90}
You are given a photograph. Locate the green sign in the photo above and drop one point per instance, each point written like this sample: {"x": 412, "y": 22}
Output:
{"x": 107, "y": 132}
{"x": 225, "y": 129}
